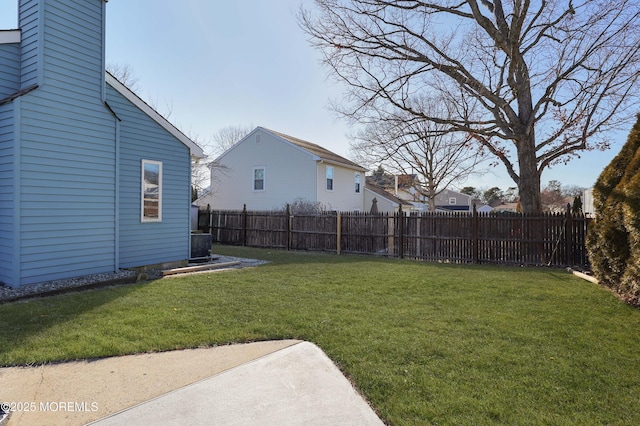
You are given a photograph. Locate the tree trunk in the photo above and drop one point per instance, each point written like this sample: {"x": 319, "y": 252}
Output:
{"x": 432, "y": 196}
{"x": 529, "y": 181}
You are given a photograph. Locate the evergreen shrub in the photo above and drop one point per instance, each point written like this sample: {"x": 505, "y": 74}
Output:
{"x": 613, "y": 240}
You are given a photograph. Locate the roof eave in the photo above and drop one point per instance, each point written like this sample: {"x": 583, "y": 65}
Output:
{"x": 10, "y": 36}
{"x": 337, "y": 163}
{"x": 194, "y": 149}
{"x": 313, "y": 155}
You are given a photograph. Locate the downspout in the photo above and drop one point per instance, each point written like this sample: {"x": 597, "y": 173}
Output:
{"x": 318, "y": 173}
{"x": 117, "y": 120}
{"x": 17, "y": 198}
{"x": 190, "y": 203}
{"x": 116, "y": 224}
{"x": 116, "y": 251}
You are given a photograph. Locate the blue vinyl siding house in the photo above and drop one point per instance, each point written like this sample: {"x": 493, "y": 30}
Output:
{"x": 91, "y": 178}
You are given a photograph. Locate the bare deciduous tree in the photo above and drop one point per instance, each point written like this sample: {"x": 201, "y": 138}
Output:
{"x": 226, "y": 137}
{"x": 124, "y": 74}
{"x": 221, "y": 141}
{"x": 200, "y": 173}
{"x": 418, "y": 147}
{"x": 534, "y": 83}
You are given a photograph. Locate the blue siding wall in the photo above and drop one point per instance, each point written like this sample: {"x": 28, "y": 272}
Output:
{"x": 29, "y": 16}
{"x": 9, "y": 69}
{"x": 7, "y": 273}
{"x": 70, "y": 172}
{"x": 142, "y": 138}
{"x": 67, "y": 189}
{"x": 67, "y": 156}
{"x": 73, "y": 52}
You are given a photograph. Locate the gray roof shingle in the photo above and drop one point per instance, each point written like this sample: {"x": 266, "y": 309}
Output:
{"x": 317, "y": 150}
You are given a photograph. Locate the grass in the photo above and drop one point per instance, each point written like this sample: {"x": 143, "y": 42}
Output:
{"x": 425, "y": 343}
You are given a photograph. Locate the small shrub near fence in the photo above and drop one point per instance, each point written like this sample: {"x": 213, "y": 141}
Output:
{"x": 549, "y": 239}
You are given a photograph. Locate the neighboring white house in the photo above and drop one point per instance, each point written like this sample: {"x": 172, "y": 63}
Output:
{"x": 266, "y": 169}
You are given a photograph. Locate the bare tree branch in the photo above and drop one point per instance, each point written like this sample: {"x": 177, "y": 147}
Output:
{"x": 535, "y": 83}
{"x": 409, "y": 146}
{"x": 124, "y": 74}
{"x": 226, "y": 137}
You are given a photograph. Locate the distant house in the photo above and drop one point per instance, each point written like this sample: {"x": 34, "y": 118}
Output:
{"x": 484, "y": 208}
{"x": 506, "y": 208}
{"x": 403, "y": 187}
{"x": 446, "y": 201}
{"x": 454, "y": 201}
{"x": 267, "y": 169}
{"x": 385, "y": 202}
{"x": 91, "y": 178}
{"x": 587, "y": 202}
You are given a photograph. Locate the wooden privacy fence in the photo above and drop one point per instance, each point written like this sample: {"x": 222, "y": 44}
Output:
{"x": 549, "y": 239}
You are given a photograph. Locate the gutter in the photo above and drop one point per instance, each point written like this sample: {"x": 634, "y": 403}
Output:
{"x": 337, "y": 163}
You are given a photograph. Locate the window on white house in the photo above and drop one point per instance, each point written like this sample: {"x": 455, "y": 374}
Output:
{"x": 329, "y": 178}
{"x": 357, "y": 183}
{"x": 151, "y": 191}
{"x": 259, "y": 178}
{"x": 452, "y": 201}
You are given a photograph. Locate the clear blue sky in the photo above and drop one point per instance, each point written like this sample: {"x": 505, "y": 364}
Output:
{"x": 213, "y": 64}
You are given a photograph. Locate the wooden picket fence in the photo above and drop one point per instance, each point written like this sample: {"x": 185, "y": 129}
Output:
{"x": 548, "y": 239}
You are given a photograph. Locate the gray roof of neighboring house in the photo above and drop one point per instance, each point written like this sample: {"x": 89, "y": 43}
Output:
{"x": 317, "y": 150}
{"x": 386, "y": 194}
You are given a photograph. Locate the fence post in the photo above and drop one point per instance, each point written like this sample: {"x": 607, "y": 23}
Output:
{"x": 338, "y": 233}
{"x": 417, "y": 235}
{"x": 390, "y": 235}
{"x": 209, "y": 220}
{"x": 289, "y": 226}
{"x": 474, "y": 236}
{"x": 400, "y": 232}
{"x": 244, "y": 225}
{"x": 219, "y": 228}
{"x": 568, "y": 237}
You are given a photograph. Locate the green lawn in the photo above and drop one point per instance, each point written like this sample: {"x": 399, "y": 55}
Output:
{"x": 425, "y": 343}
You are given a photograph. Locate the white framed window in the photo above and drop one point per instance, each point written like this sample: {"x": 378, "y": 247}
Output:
{"x": 452, "y": 201}
{"x": 329, "y": 174}
{"x": 259, "y": 178}
{"x": 357, "y": 179}
{"x": 151, "y": 197}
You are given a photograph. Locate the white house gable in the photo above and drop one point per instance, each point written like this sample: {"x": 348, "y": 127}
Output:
{"x": 267, "y": 169}
{"x": 261, "y": 171}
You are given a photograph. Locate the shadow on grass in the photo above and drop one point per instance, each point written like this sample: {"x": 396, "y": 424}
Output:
{"x": 298, "y": 257}
{"x": 278, "y": 256}
{"x": 28, "y": 324}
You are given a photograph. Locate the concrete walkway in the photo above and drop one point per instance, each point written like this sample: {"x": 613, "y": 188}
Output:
{"x": 265, "y": 383}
